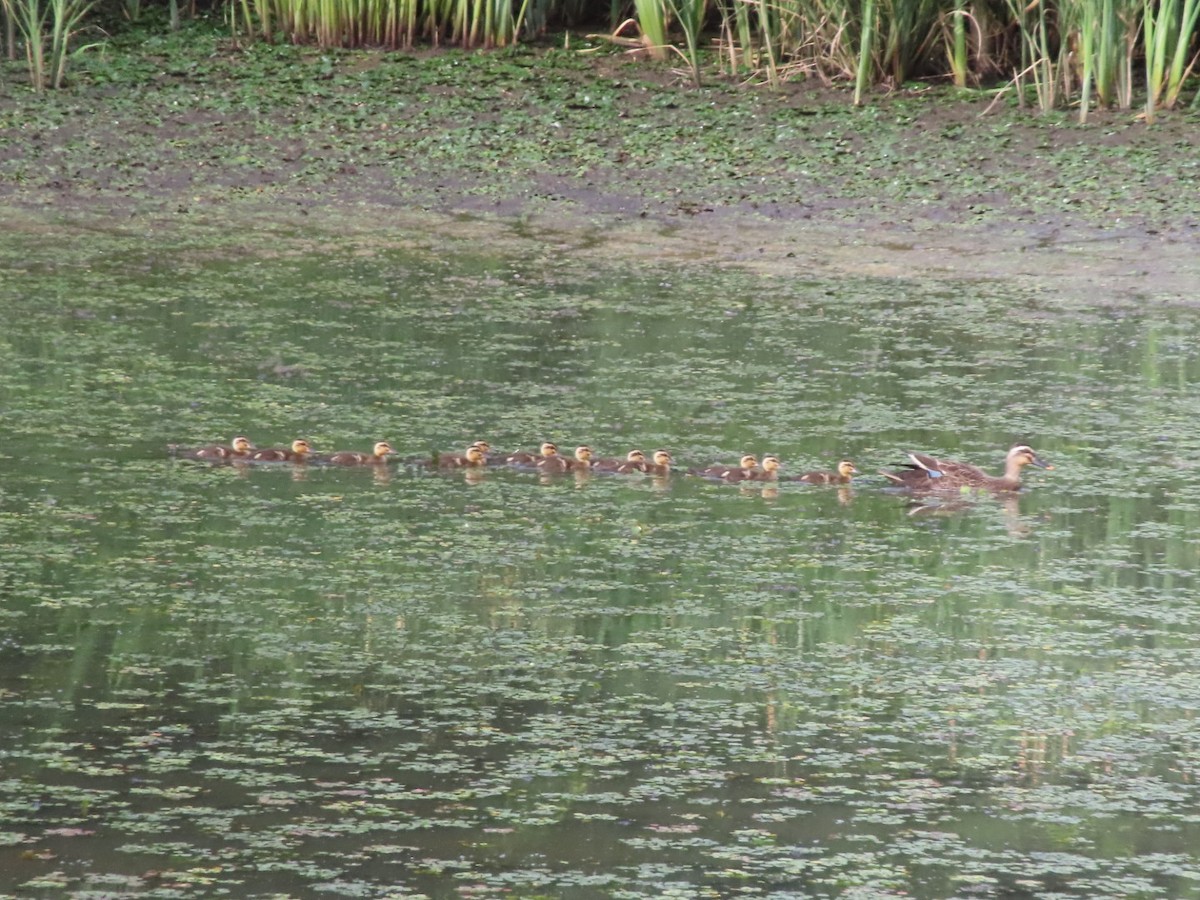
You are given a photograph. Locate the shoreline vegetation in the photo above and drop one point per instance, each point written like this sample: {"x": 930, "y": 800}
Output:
{"x": 576, "y": 147}
{"x": 1049, "y": 54}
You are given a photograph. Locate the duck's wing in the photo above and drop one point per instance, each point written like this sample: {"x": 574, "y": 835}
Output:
{"x": 952, "y": 470}
{"x": 930, "y": 465}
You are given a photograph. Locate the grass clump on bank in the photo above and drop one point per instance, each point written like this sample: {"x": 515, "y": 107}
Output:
{"x": 1051, "y": 53}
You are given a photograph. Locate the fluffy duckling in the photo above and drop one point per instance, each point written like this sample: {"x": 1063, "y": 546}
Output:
{"x": 845, "y": 471}
{"x": 633, "y": 457}
{"x": 486, "y": 449}
{"x": 239, "y": 448}
{"x": 298, "y": 453}
{"x": 929, "y": 473}
{"x": 532, "y": 459}
{"x": 661, "y": 464}
{"x": 745, "y": 464}
{"x": 768, "y": 470}
{"x": 378, "y": 455}
{"x": 557, "y": 463}
{"x": 474, "y": 457}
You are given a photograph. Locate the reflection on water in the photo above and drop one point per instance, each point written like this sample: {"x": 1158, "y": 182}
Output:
{"x": 403, "y": 679}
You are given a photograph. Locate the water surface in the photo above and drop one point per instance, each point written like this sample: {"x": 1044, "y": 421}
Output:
{"x": 274, "y": 681}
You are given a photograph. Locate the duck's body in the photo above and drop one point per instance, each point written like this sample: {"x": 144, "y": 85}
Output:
{"x": 532, "y": 459}
{"x": 474, "y": 457}
{"x": 845, "y": 471}
{"x": 928, "y": 473}
{"x": 377, "y": 456}
{"x": 298, "y": 452}
{"x": 239, "y": 448}
{"x": 555, "y": 462}
{"x": 660, "y": 465}
{"x": 767, "y": 471}
{"x": 632, "y": 458}
{"x": 747, "y": 463}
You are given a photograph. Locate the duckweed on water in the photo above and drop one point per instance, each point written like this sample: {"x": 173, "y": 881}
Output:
{"x": 265, "y": 680}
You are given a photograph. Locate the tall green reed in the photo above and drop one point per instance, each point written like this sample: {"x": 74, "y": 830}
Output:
{"x": 690, "y": 14}
{"x": 1059, "y": 51}
{"x": 47, "y": 28}
{"x": 653, "y": 17}
{"x": 1169, "y": 27}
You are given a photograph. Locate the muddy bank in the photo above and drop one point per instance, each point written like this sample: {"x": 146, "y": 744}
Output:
{"x": 597, "y": 155}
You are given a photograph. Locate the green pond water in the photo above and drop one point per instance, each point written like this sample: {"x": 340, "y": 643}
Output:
{"x": 279, "y": 681}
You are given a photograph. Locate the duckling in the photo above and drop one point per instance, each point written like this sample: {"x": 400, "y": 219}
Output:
{"x": 633, "y": 457}
{"x": 557, "y": 463}
{"x": 532, "y": 459}
{"x": 378, "y": 455}
{"x": 635, "y": 461}
{"x": 845, "y": 471}
{"x": 298, "y": 453}
{"x": 768, "y": 470}
{"x": 473, "y": 457}
{"x": 661, "y": 464}
{"x": 486, "y": 448}
{"x": 931, "y": 474}
{"x": 747, "y": 462}
{"x": 239, "y": 448}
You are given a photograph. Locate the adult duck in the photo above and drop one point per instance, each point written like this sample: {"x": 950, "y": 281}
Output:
{"x": 297, "y": 453}
{"x": 239, "y": 448}
{"x": 845, "y": 471}
{"x": 929, "y": 473}
{"x": 378, "y": 455}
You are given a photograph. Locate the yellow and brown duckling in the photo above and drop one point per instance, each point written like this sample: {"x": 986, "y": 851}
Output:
{"x": 475, "y": 456}
{"x": 532, "y": 459}
{"x": 239, "y": 448}
{"x": 298, "y": 452}
{"x": 845, "y": 471}
{"x": 632, "y": 458}
{"x": 660, "y": 463}
{"x": 486, "y": 449}
{"x": 767, "y": 470}
{"x": 928, "y": 473}
{"x": 555, "y": 462}
{"x": 747, "y": 463}
{"x": 378, "y": 456}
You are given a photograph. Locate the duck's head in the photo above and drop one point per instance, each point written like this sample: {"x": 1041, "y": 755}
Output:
{"x": 583, "y": 453}
{"x": 484, "y": 447}
{"x": 1023, "y": 455}
{"x": 846, "y": 468}
{"x": 662, "y": 458}
{"x": 749, "y": 461}
{"x": 241, "y": 444}
{"x": 771, "y": 464}
{"x": 300, "y": 447}
{"x": 549, "y": 449}
{"x": 475, "y": 455}
{"x": 383, "y": 448}
{"x": 635, "y": 456}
